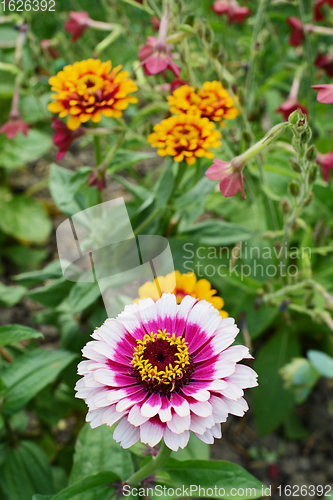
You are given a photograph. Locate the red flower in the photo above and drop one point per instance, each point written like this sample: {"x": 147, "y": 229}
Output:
{"x": 48, "y": 46}
{"x": 155, "y": 22}
{"x": 289, "y": 106}
{"x": 176, "y": 83}
{"x": 14, "y": 125}
{"x": 325, "y": 162}
{"x": 64, "y": 137}
{"x": 98, "y": 180}
{"x": 230, "y": 177}
{"x": 77, "y": 24}
{"x": 297, "y": 34}
{"x": 325, "y": 93}
{"x": 235, "y": 12}
{"x": 156, "y": 54}
{"x": 317, "y": 10}
{"x": 326, "y": 63}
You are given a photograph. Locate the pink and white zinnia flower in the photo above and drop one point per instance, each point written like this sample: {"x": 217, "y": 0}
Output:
{"x": 164, "y": 370}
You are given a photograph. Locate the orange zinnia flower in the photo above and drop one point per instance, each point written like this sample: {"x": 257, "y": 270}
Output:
{"x": 212, "y": 101}
{"x": 186, "y": 284}
{"x": 185, "y": 137}
{"x": 89, "y": 89}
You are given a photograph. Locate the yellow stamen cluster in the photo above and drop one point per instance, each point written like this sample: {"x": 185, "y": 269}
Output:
{"x": 182, "y": 285}
{"x": 185, "y": 136}
{"x": 212, "y": 101}
{"x": 174, "y": 370}
{"x": 89, "y": 89}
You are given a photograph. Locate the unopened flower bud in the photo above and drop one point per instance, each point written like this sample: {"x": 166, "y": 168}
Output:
{"x": 306, "y": 136}
{"x": 313, "y": 173}
{"x": 302, "y": 124}
{"x": 215, "y": 49}
{"x": 285, "y": 205}
{"x": 308, "y": 199}
{"x": 294, "y": 188}
{"x": 295, "y": 166}
{"x": 293, "y": 117}
{"x": 311, "y": 153}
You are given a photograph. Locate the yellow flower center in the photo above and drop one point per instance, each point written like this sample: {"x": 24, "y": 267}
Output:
{"x": 161, "y": 359}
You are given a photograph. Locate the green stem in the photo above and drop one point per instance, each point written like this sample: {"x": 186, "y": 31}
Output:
{"x": 147, "y": 221}
{"x": 111, "y": 154}
{"x": 256, "y": 30}
{"x": 147, "y": 470}
{"x": 187, "y": 61}
{"x": 97, "y": 146}
{"x": 309, "y": 59}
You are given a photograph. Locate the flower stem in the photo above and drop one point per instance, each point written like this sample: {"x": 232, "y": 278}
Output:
{"x": 148, "y": 469}
{"x": 147, "y": 221}
{"x": 97, "y": 146}
{"x": 256, "y": 30}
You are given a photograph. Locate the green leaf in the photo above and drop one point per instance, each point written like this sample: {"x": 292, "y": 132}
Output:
{"x": 51, "y": 271}
{"x": 164, "y": 185}
{"x": 200, "y": 190}
{"x": 88, "y": 483}
{"x": 15, "y": 333}
{"x": 257, "y": 320}
{"x": 137, "y": 191}
{"x": 271, "y": 401}
{"x": 34, "y": 108}
{"x": 52, "y": 294}
{"x": 66, "y": 188}
{"x": 30, "y": 373}
{"x": 25, "y": 258}
{"x": 11, "y": 295}
{"x": 23, "y": 218}
{"x": 25, "y": 472}
{"x": 18, "y": 152}
{"x": 96, "y": 451}
{"x": 125, "y": 158}
{"x": 194, "y": 449}
{"x": 221, "y": 475}
{"x": 218, "y": 232}
{"x": 82, "y": 295}
{"x": 322, "y": 362}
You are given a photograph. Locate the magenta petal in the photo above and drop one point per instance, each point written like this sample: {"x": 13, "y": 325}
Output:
{"x": 230, "y": 185}
{"x": 325, "y": 94}
{"x": 217, "y": 170}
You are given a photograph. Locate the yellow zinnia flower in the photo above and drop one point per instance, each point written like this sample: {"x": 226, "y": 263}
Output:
{"x": 212, "y": 101}
{"x": 185, "y": 136}
{"x": 186, "y": 284}
{"x": 89, "y": 89}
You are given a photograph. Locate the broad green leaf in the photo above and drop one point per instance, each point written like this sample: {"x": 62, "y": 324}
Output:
{"x": 30, "y": 373}
{"x": 23, "y": 218}
{"x": 322, "y": 362}
{"x": 25, "y": 472}
{"x": 164, "y": 185}
{"x": 11, "y": 295}
{"x": 50, "y": 271}
{"x": 220, "y": 476}
{"x": 96, "y": 451}
{"x": 191, "y": 197}
{"x": 257, "y": 319}
{"x": 125, "y": 158}
{"x": 52, "y": 294}
{"x": 66, "y": 188}
{"x": 137, "y": 191}
{"x": 15, "y": 333}
{"x": 25, "y": 258}
{"x": 271, "y": 401}
{"x": 82, "y": 295}
{"x": 18, "y": 152}
{"x": 218, "y": 232}
{"x": 88, "y": 483}
{"x": 195, "y": 449}
{"x": 34, "y": 108}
